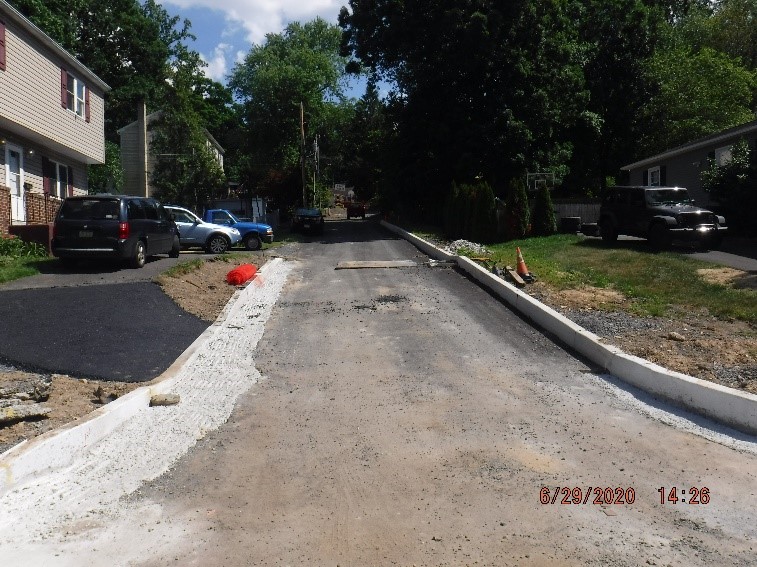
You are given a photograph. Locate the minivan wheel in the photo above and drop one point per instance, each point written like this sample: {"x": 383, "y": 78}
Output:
{"x": 139, "y": 258}
{"x": 175, "y": 249}
{"x": 252, "y": 242}
{"x": 217, "y": 244}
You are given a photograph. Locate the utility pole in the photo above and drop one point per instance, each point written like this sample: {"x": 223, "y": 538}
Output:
{"x": 302, "y": 151}
{"x": 315, "y": 169}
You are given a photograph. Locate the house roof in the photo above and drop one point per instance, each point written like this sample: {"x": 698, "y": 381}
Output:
{"x": 20, "y": 20}
{"x": 713, "y": 139}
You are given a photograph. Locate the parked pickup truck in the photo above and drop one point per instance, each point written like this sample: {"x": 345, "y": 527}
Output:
{"x": 659, "y": 214}
{"x": 194, "y": 232}
{"x": 253, "y": 233}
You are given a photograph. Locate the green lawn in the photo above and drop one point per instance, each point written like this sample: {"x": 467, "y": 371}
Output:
{"x": 656, "y": 283}
{"x": 12, "y": 268}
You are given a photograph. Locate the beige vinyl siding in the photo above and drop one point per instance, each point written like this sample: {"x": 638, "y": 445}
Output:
{"x": 30, "y": 98}
{"x": 131, "y": 161}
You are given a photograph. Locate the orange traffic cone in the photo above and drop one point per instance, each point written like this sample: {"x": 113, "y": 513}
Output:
{"x": 521, "y": 267}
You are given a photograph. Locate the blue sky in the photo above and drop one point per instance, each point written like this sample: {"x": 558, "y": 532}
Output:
{"x": 226, "y": 29}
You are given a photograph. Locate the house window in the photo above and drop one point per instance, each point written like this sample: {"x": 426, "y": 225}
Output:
{"x": 75, "y": 102}
{"x": 61, "y": 181}
{"x": 2, "y": 45}
{"x": 654, "y": 177}
{"x": 74, "y": 95}
{"x": 58, "y": 178}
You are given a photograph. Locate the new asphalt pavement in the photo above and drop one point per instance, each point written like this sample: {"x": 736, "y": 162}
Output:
{"x": 105, "y": 322}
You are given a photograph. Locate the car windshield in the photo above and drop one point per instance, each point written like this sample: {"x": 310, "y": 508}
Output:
{"x": 90, "y": 209}
{"x": 667, "y": 196}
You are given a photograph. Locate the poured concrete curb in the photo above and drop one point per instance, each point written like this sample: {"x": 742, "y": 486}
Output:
{"x": 726, "y": 405}
{"x": 57, "y": 448}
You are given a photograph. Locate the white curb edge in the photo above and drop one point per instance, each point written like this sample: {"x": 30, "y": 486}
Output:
{"x": 56, "y": 449}
{"x": 726, "y": 405}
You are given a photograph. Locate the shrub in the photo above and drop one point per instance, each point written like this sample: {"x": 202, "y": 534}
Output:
{"x": 734, "y": 186}
{"x": 470, "y": 212}
{"x": 14, "y": 247}
{"x": 517, "y": 213}
{"x": 543, "y": 222}
{"x": 483, "y": 216}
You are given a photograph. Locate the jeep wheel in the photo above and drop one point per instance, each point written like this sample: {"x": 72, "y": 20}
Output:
{"x": 252, "y": 242}
{"x": 659, "y": 237}
{"x": 608, "y": 232}
{"x": 140, "y": 256}
{"x": 217, "y": 244}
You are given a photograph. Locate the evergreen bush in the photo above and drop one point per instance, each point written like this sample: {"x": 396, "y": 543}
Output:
{"x": 543, "y": 223}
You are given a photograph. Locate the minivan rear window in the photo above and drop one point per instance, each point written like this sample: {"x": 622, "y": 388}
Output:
{"x": 89, "y": 209}
{"x": 135, "y": 209}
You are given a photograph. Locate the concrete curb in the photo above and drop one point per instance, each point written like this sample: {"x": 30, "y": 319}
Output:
{"x": 726, "y": 405}
{"x": 57, "y": 448}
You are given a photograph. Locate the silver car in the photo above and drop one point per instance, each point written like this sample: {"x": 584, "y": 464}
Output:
{"x": 196, "y": 233}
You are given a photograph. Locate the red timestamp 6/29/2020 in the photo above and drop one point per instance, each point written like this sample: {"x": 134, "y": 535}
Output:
{"x": 586, "y": 495}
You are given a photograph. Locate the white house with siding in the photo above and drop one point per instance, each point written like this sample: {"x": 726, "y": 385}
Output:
{"x": 137, "y": 158}
{"x": 52, "y": 122}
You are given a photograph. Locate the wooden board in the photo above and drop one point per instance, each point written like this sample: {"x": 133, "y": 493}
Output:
{"x": 358, "y": 265}
{"x": 515, "y": 276}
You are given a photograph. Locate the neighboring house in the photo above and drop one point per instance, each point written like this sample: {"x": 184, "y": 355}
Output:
{"x": 138, "y": 161}
{"x": 683, "y": 165}
{"x": 52, "y": 122}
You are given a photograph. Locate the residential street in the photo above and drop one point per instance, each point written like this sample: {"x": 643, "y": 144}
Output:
{"x": 402, "y": 416}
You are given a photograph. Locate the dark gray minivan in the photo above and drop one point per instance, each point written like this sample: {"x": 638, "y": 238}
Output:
{"x": 113, "y": 226}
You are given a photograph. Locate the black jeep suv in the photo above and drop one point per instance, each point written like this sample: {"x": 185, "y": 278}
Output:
{"x": 659, "y": 214}
{"x": 113, "y": 226}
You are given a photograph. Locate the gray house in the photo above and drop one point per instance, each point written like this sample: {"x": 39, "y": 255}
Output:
{"x": 52, "y": 122}
{"x": 681, "y": 166}
{"x": 137, "y": 159}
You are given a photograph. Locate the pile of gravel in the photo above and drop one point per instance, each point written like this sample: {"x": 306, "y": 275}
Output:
{"x": 457, "y": 245}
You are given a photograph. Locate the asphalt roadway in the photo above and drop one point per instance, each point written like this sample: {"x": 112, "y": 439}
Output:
{"x": 109, "y": 322}
{"x": 95, "y": 321}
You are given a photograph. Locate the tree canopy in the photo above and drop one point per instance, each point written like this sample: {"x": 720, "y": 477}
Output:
{"x": 298, "y": 68}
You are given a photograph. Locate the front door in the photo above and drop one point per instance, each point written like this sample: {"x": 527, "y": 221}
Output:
{"x": 14, "y": 175}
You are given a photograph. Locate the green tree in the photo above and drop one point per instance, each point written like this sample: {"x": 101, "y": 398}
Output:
{"x": 734, "y": 186}
{"x": 187, "y": 171}
{"x": 517, "y": 211}
{"x": 497, "y": 114}
{"x": 108, "y": 177}
{"x": 300, "y": 66}
{"x": 617, "y": 39}
{"x": 698, "y": 93}
{"x": 543, "y": 220}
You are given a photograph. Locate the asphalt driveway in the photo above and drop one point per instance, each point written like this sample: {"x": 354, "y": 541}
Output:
{"x": 90, "y": 324}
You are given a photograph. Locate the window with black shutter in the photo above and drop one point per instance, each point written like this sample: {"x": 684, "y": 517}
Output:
{"x": 2, "y": 45}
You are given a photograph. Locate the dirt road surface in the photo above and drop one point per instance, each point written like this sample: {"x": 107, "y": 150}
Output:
{"x": 406, "y": 417}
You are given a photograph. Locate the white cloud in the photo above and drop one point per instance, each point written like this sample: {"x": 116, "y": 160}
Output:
{"x": 259, "y": 17}
{"x": 217, "y": 68}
